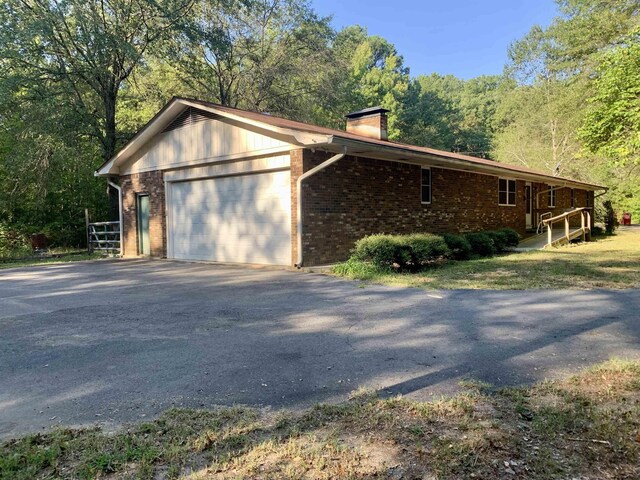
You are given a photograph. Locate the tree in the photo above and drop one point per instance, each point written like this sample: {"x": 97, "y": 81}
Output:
{"x": 89, "y": 46}
{"x": 538, "y": 125}
{"x": 380, "y": 78}
{"x": 431, "y": 116}
{"x": 261, "y": 55}
{"x": 45, "y": 178}
{"x": 611, "y": 128}
{"x": 448, "y": 113}
{"x": 566, "y": 113}
{"x": 612, "y": 125}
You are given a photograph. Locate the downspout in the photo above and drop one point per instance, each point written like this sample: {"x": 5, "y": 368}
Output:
{"x": 301, "y": 179}
{"x": 119, "y": 189}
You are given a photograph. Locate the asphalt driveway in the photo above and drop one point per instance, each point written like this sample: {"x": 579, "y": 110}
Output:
{"x": 113, "y": 341}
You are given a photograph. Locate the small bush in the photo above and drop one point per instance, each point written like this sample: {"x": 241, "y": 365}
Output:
{"x": 511, "y": 236}
{"x": 425, "y": 247}
{"x": 459, "y": 246}
{"x": 399, "y": 251}
{"x": 381, "y": 250}
{"x": 13, "y": 244}
{"x": 597, "y": 231}
{"x": 499, "y": 240}
{"x": 481, "y": 244}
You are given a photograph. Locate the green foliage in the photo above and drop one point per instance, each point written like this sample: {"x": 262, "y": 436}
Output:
{"x": 512, "y": 238}
{"x": 610, "y": 218}
{"x": 13, "y": 244}
{"x": 381, "y": 250}
{"x": 451, "y": 114}
{"x": 503, "y": 238}
{"x": 425, "y": 248}
{"x": 481, "y": 244}
{"x": 359, "y": 270}
{"x": 486, "y": 244}
{"x": 258, "y": 55}
{"x": 612, "y": 126}
{"x": 459, "y": 246}
{"x": 573, "y": 107}
{"x": 404, "y": 252}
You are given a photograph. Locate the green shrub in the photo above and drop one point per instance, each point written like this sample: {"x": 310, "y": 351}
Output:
{"x": 481, "y": 244}
{"x": 499, "y": 240}
{"x": 504, "y": 238}
{"x": 459, "y": 246}
{"x": 409, "y": 252}
{"x": 512, "y": 237}
{"x": 425, "y": 248}
{"x": 381, "y": 250}
{"x": 13, "y": 244}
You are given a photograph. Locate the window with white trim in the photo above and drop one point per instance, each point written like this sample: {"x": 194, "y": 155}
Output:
{"x": 552, "y": 198}
{"x": 506, "y": 192}
{"x": 425, "y": 183}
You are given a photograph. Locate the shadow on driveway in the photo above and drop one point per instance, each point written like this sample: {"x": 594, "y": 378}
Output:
{"x": 116, "y": 341}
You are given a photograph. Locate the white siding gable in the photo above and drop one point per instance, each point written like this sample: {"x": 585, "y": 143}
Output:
{"x": 200, "y": 143}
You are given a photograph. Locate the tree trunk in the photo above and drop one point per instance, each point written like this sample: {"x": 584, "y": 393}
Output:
{"x": 109, "y": 142}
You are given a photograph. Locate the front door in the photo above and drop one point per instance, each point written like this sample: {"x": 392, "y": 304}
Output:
{"x": 143, "y": 225}
{"x": 528, "y": 200}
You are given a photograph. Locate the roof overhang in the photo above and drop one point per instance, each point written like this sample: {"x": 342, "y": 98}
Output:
{"x": 333, "y": 143}
{"x": 398, "y": 153}
{"x": 176, "y": 106}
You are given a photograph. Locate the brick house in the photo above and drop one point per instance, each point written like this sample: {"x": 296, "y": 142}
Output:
{"x": 206, "y": 182}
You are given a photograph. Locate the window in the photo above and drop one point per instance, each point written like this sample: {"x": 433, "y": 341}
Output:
{"x": 506, "y": 192}
{"x": 552, "y": 198}
{"x": 588, "y": 199}
{"x": 573, "y": 197}
{"x": 426, "y": 185}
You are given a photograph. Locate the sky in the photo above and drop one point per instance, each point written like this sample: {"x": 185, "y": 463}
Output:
{"x": 465, "y": 38}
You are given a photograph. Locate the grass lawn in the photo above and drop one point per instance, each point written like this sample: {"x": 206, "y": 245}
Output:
{"x": 587, "y": 426}
{"x": 608, "y": 262}
{"x": 56, "y": 258}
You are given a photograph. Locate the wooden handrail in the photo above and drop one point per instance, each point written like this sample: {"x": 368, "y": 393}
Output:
{"x": 585, "y": 224}
{"x": 563, "y": 215}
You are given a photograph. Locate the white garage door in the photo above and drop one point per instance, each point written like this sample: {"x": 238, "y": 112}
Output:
{"x": 245, "y": 219}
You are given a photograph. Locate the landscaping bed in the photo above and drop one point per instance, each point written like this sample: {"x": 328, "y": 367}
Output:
{"x": 611, "y": 261}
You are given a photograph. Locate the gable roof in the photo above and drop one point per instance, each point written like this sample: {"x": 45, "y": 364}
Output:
{"x": 314, "y": 136}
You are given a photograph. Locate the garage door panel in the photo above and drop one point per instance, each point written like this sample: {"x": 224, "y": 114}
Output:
{"x": 244, "y": 219}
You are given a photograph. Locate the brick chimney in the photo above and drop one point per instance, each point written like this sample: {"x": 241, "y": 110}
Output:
{"x": 370, "y": 122}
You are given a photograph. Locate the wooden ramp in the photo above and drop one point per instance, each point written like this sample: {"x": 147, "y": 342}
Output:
{"x": 558, "y": 236}
{"x": 538, "y": 242}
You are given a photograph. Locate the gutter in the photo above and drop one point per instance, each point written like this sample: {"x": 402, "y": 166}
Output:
{"x": 301, "y": 179}
{"x": 120, "y": 216}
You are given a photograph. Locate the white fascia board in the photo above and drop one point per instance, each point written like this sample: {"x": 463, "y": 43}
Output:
{"x": 303, "y": 139}
{"x": 147, "y": 132}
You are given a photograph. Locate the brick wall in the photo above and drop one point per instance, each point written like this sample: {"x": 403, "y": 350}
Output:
{"x": 358, "y": 196}
{"x": 151, "y": 183}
